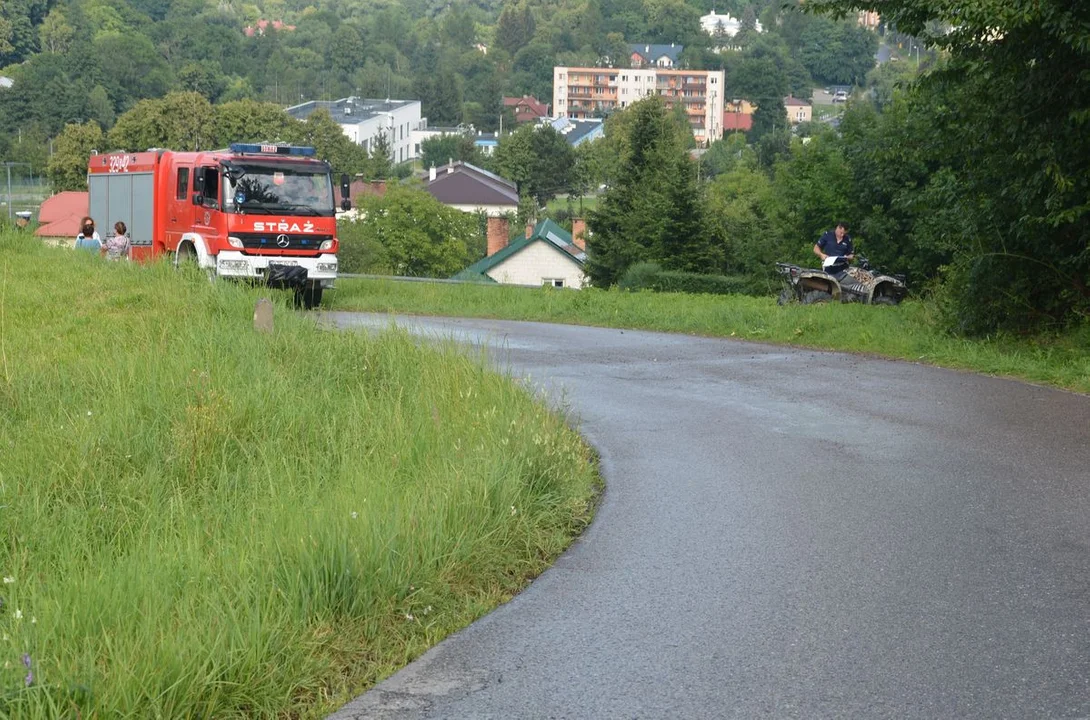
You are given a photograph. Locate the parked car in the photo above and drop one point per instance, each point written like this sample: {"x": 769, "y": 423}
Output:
{"x": 840, "y": 96}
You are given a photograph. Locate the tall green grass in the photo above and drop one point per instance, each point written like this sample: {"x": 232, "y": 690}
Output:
{"x": 911, "y": 331}
{"x": 201, "y": 520}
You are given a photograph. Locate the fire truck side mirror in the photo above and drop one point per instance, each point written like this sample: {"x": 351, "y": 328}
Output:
{"x": 346, "y": 203}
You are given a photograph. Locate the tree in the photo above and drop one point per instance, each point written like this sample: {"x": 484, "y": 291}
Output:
{"x": 414, "y": 234}
{"x": 31, "y": 146}
{"x": 1009, "y": 112}
{"x": 532, "y": 70}
{"x": 253, "y": 121}
{"x": 346, "y": 49}
{"x": 740, "y": 202}
{"x": 814, "y": 184}
{"x": 654, "y": 209}
{"x": 138, "y": 72}
{"x": 179, "y": 121}
{"x": 837, "y": 52}
{"x": 204, "y": 78}
{"x": 440, "y": 97}
{"x": 6, "y": 31}
{"x": 538, "y": 159}
{"x": 515, "y": 28}
{"x": 71, "y": 150}
{"x": 379, "y": 164}
{"x": 727, "y": 154}
{"x": 437, "y": 151}
{"x": 55, "y": 34}
{"x": 99, "y": 107}
{"x": 760, "y": 81}
{"x": 18, "y": 22}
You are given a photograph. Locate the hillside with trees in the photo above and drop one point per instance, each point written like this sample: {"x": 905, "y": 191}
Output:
{"x": 972, "y": 180}
{"x": 75, "y": 61}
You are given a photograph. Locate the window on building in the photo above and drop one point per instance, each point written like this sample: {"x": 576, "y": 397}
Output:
{"x": 553, "y": 282}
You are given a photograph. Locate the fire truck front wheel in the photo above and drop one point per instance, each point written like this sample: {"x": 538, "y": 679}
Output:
{"x": 309, "y": 296}
{"x": 185, "y": 256}
{"x": 186, "y": 259}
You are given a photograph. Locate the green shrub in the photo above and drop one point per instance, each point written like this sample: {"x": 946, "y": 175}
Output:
{"x": 359, "y": 252}
{"x": 640, "y": 276}
{"x": 651, "y": 276}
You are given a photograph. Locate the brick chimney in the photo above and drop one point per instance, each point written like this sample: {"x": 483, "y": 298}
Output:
{"x": 579, "y": 233}
{"x": 529, "y": 230}
{"x": 497, "y": 235}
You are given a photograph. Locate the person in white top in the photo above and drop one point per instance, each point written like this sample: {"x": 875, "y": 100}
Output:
{"x": 88, "y": 238}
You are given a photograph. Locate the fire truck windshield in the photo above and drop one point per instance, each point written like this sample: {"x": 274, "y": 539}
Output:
{"x": 269, "y": 189}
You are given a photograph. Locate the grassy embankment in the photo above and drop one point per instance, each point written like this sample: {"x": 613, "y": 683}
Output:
{"x": 576, "y": 204}
{"x": 200, "y": 520}
{"x": 910, "y": 331}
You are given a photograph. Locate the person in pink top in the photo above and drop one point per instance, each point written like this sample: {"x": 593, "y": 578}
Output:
{"x": 117, "y": 247}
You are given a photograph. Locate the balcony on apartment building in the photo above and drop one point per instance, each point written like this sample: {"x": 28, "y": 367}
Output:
{"x": 596, "y": 94}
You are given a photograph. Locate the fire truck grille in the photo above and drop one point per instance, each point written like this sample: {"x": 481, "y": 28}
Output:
{"x": 280, "y": 241}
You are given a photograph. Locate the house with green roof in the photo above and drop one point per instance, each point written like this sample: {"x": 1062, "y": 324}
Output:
{"x": 547, "y": 255}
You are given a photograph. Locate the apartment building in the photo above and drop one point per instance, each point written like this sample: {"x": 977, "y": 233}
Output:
{"x": 580, "y": 93}
{"x": 363, "y": 121}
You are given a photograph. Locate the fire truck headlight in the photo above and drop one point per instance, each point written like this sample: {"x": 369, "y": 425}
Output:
{"x": 234, "y": 242}
{"x": 327, "y": 267}
{"x": 326, "y": 245}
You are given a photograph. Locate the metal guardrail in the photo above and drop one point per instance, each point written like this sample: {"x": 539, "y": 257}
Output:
{"x": 448, "y": 281}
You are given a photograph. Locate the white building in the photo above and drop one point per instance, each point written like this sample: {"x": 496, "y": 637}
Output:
{"x": 583, "y": 93}
{"x": 485, "y": 142}
{"x": 363, "y": 121}
{"x": 714, "y": 24}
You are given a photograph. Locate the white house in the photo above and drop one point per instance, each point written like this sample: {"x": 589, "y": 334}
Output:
{"x": 548, "y": 255}
{"x": 363, "y": 121}
{"x": 714, "y": 24}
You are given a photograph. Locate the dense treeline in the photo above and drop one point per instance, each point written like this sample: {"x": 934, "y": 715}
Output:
{"x": 74, "y": 61}
{"x": 973, "y": 181}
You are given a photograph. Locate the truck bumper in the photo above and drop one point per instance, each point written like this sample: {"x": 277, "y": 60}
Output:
{"x": 321, "y": 269}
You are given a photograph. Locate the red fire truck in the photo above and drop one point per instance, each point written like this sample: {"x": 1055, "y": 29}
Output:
{"x": 263, "y": 212}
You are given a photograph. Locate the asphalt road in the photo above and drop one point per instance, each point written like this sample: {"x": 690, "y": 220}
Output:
{"x": 785, "y": 534}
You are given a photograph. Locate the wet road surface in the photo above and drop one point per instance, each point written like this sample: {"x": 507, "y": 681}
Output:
{"x": 785, "y": 533}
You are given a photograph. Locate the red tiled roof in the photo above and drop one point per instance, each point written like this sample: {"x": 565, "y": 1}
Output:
{"x": 59, "y": 216}
{"x": 737, "y": 121}
{"x": 790, "y": 101}
{"x": 263, "y": 25}
{"x": 528, "y": 103}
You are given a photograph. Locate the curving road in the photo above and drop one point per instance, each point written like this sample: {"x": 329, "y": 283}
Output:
{"x": 786, "y": 533}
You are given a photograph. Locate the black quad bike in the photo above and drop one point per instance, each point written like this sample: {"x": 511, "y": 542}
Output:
{"x": 839, "y": 281}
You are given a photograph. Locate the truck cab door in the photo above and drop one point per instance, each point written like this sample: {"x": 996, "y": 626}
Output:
{"x": 208, "y": 217}
{"x": 179, "y": 207}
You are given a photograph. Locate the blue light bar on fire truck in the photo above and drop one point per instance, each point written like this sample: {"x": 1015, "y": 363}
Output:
{"x": 259, "y": 149}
